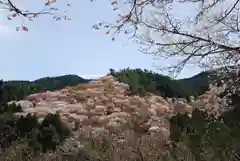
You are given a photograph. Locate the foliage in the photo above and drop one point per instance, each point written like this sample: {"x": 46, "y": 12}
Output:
{"x": 55, "y": 121}
{"x": 207, "y": 137}
{"x": 17, "y": 90}
{"x": 199, "y": 137}
{"x": 143, "y": 81}
{"x": 41, "y": 136}
{"x": 53, "y": 83}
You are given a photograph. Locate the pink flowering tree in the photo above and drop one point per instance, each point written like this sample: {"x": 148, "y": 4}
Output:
{"x": 14, "y": 11}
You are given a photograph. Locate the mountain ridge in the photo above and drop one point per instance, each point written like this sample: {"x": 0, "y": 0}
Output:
{"x": 140, "y": 81}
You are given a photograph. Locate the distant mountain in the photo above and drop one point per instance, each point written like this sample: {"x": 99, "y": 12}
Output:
{"x": 141, "y": 82}
{"x": 18, "y": 89}
{"x": 50, "y": 83}
{"x": 53, "y": 83}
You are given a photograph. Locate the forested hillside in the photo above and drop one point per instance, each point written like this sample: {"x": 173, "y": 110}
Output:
{"x": 143, "y": 81}
{"x": 17, "y": 89}
{"x": 140, "y": 81}
{"x": 219, "y": 136}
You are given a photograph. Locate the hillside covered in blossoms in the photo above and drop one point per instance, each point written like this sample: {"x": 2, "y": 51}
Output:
{"x": 129, "y": 114}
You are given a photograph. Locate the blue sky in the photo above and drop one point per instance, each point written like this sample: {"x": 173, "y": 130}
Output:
{"x": 53, "y": 48}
